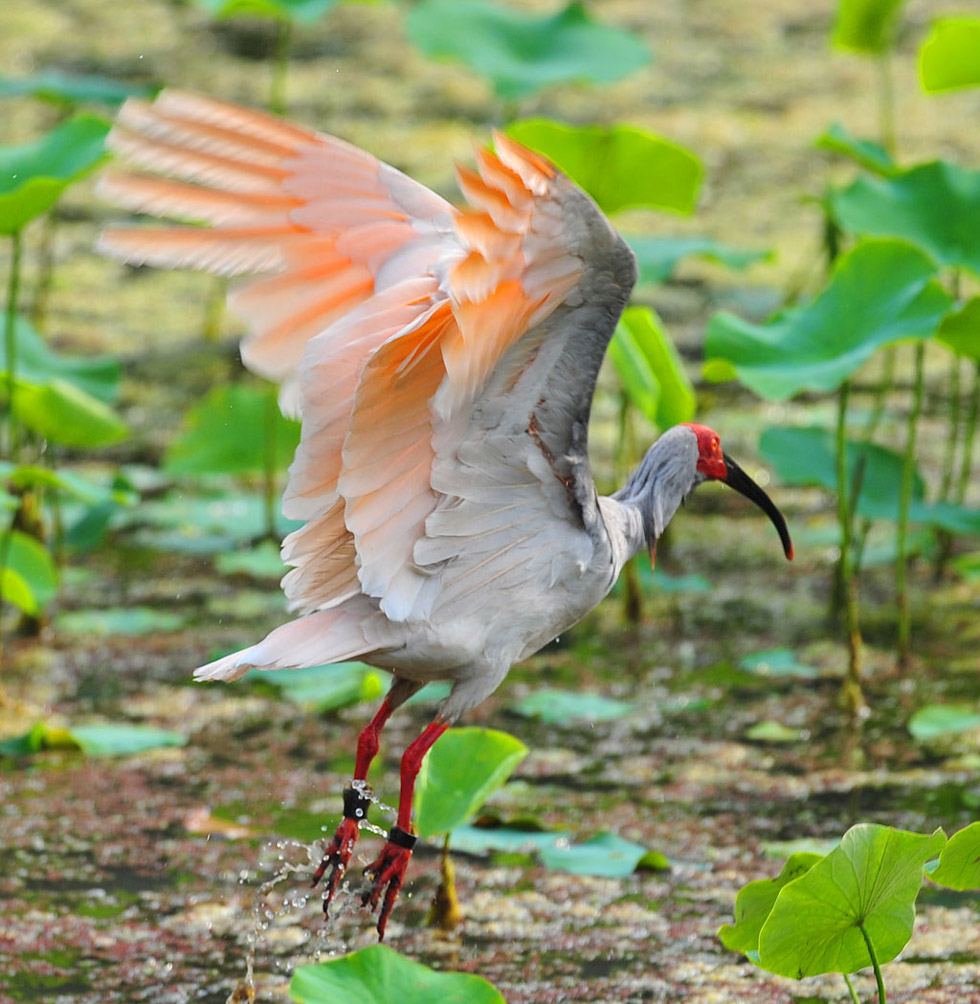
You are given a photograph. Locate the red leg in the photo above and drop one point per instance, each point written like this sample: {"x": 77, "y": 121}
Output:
{"x": 337, "y": 855}
{"x": 388, "y": 872}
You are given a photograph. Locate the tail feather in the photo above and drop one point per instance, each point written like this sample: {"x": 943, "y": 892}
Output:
{"x": 327, "y": 636}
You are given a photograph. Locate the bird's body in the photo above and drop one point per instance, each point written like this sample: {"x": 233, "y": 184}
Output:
{"x": 443, "y": 363}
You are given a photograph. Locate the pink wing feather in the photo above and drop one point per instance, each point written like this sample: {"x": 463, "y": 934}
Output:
{"x": 393, "y": 308}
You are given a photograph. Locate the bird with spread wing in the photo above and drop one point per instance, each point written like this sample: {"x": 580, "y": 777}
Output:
{"x": 442, "y": 361}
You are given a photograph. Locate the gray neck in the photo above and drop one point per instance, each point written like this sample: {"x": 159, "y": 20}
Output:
{"x": 655, "y": 490}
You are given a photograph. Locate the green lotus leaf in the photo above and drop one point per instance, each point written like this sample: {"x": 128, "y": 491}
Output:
{"x": 870, "y": 881}
{"x": 657, "y": 257}
{"x": 605, "y": 856}
{"x": 866, "y": 26}
{"x": 520, "y": 53}
{"x": 870, "y": 155}
{"x": 650, "y": 369}
{"x": 935, "y": 206}
{"x": 934, "y": 720}
{"x": 959, "y": 863}
{"x": 950, "y": 56}
{"x": 379, "y": 975}
{"x": 881, "y": 292}
{"x": 225, "y": 433}
{"x": 755, "y": 901}
{"x": 33, "y": 175}
{"x": 620, "y": 166}
{"x": 63, "y": 88}
{"x": 459, "y": 774}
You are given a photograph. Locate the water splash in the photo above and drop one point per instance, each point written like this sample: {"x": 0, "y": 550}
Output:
{"x": 293, "y": 857}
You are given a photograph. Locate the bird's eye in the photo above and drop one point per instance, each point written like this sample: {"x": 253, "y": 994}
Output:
{"x": 714, "y": 444}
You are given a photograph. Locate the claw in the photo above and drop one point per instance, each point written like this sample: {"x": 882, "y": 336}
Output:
{"x": 336, "y": 857}
{"x": 387, "y": 874}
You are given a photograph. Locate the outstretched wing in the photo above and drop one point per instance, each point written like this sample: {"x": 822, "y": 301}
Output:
{"x": 468, "y": 433}
{"x": 423, "y": 332}
{"x": 333, "y": 224}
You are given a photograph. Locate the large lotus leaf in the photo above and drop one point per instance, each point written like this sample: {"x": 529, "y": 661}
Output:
{"x": 33, "y": 175}
{"x": 37, "y": 363}
{"x": 651, "y": 369}
{"x": 63, "y": 88}
{"x": 755, "y": 900}
{"x": 379, "y": 975}
{"x": 880, "y": 292}
{"x": 935, "y": 206}
{"x": 959, "y": 863}
{"x": 808, "y": 457}
{"x": 871, "y": 880}
{"x": 950, "y": 56}
{"x": 619, "y": 166}
{"x": 460, "y": 773}
{"x": 226, "y": 433}
{"x": 520, "y": 53}
{"x": 960, "y": 330}
{"x": 866, "y": 25}
{"x": 657, "y": 257}
{"x": 870, "y": 155}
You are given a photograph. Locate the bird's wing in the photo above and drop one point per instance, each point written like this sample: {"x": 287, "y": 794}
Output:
{"x": 333, "y": 225}
{"x": 507, "y": 350}
{"x": 417, "y": 329}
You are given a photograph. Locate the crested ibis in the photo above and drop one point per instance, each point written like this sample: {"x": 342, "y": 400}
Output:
{"x": 443, "y": 362}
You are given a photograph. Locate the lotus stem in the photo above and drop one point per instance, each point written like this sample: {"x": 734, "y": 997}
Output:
{"x": 45, "y": 278}
{"x": 270, "y": 461}
{"x": 4, "y": 553}
{"x": 886, "y": 103}
{"x": 882, "y": 388}
{"x": 444, "y": 912}
{"x": 280, "y": 66}
{"x": 874, "y": 964}
{"x": 851, "y": 693}
{"x": 904, "y": 503}
{"x": 10, "y": 339}
{"x": 944, "y": 539}
{"x": 955, "y": 410}
{"x": 850, "y": 987}
{"x": 214, "y": 309}
{"x": 969, "y": 437}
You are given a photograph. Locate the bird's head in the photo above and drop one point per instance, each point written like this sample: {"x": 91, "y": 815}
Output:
{"x": 681, "y": 459}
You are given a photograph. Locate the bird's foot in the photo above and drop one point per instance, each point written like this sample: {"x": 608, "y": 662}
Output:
{"x": 337, "y": 854}
{"x": 387, "y": 874}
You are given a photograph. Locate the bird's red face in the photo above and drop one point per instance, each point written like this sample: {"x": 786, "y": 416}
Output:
{"x": 716, "y": 465}
{"x": 711, "y": 461}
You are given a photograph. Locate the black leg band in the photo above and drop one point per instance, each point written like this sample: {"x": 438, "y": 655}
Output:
{"x": 398, "y": 837}
{"x": 356, "y": 804}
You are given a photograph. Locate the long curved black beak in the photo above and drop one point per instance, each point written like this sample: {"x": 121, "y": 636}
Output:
{"x": 741, "y": 482}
